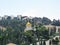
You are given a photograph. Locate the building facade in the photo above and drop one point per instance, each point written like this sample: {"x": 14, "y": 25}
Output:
{"x": 53, "y": 29}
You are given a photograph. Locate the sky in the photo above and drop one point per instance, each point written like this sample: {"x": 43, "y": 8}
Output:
{"x": 35, "y": 8}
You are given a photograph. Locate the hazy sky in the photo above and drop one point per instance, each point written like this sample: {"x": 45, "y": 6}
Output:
{"x": 38, "y": 8}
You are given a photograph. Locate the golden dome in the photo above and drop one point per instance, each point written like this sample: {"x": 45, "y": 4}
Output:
{"x": 28, "y": 24}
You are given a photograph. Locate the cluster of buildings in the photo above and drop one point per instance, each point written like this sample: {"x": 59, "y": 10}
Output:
{"x": 51, "y": 28}
{"x": 17, "y": 17}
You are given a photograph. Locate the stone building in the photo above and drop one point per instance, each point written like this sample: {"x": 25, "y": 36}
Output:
{"x": 53, "y": 28}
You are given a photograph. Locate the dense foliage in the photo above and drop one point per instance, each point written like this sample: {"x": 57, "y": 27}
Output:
{"x": 14, "y": 32}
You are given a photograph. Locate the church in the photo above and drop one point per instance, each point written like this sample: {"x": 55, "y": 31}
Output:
{"x": 28, "y": 27}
